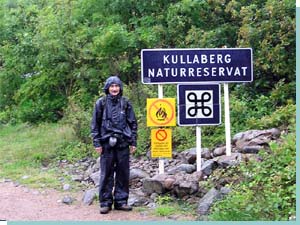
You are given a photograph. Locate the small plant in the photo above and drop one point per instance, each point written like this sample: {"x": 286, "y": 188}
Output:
{"x": 168, "y": 206}
{"x": 164, "y": 206}
{"x": 163, "y": 200}
{"x": 165, "y": 210}
{"x": 73, "y": 151}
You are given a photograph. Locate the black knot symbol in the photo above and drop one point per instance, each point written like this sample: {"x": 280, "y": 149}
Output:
{"x": 199, "y": 104}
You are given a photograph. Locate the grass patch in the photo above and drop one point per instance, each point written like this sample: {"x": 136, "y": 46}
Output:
{"x": 167, "y": 206}
{"x": 25, "y": 149}
{"x": 166, "y": 210}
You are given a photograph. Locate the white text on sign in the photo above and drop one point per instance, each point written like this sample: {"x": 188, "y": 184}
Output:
{"x": 196, "y": 65}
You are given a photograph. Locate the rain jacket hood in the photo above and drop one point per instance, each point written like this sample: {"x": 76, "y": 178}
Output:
{"x": 113, "y": 80}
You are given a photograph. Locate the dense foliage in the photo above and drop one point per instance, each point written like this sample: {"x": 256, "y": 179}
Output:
{"x": 267, "y": 190}
{"x": 55, "y": 56}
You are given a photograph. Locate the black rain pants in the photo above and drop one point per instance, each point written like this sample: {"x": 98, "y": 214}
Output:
{"x": 114, "y": 176}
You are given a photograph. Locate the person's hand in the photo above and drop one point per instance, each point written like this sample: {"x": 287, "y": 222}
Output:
{"x": 132, "y": 149}
{"x": 99, "y": 150}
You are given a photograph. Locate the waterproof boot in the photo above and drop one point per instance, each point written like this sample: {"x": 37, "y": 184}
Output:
{"x": 105, "y": 209}
{"x": 123, "y": 207}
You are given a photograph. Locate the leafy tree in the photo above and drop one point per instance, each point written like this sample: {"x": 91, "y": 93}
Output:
{"x": 270, "y": 31}
{"x": 17, "y": 49}
{"x": 65, "y": 49}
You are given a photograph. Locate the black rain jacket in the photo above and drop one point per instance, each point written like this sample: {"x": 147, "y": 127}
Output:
{"x": 113, "y": 115}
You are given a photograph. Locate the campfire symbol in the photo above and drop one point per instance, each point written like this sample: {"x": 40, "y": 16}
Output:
{"x": 161, "y": 113}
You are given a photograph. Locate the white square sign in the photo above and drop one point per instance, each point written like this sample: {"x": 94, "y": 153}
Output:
{"x": 199, "y": 104}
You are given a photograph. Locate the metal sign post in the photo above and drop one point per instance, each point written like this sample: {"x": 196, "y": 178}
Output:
{"x": 161, "y": 167}
{"x": 227, "y": 120}
{"x": 198, "y": 147}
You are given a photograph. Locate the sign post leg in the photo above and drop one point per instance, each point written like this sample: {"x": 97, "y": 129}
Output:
{"x": 227, "y": 119}
{"x": 161, "y": 167}
{"x": 198, "y": 147}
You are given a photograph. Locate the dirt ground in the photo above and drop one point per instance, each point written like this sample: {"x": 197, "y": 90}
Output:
{"x": 19, "y": 203}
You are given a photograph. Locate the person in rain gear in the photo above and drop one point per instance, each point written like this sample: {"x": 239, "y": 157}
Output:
{"x": 114, "y": 133}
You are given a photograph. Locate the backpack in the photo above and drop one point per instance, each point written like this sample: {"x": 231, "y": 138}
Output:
{"x": 124, "y": 105}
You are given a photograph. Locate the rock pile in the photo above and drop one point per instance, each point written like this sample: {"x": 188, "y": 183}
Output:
{"x": 180, "y": 179}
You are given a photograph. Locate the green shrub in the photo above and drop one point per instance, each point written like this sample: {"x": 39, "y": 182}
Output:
{"x": 74, "y": 151}
{"x": 267, "y": 190}
{"x": 8, "y": 116}
{"x": 283, "y": 93}
{"x": 165, "y": 210}
{"x": 38, "y": 100}
{"x": 183, "y": 138}
{"x": 283, "y": 117}
{"x": 79, "y": 119}
{"x": 38, "y": 110}
{"x": 165, "y": 206}
{"x": 168, "y": 206}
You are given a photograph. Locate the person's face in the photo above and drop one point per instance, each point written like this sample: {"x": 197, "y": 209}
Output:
{"x": 114, "y": 89}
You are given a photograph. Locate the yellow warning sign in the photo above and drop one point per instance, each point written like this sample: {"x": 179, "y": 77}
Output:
{"x": 161, "y": 112}
{"x": 161, "y": 143}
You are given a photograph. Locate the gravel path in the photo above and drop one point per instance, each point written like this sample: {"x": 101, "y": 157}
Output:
{"x": 18, "y": 203}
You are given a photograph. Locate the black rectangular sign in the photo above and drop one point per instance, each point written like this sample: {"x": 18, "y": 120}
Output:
{"x": 199, "y": 104}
